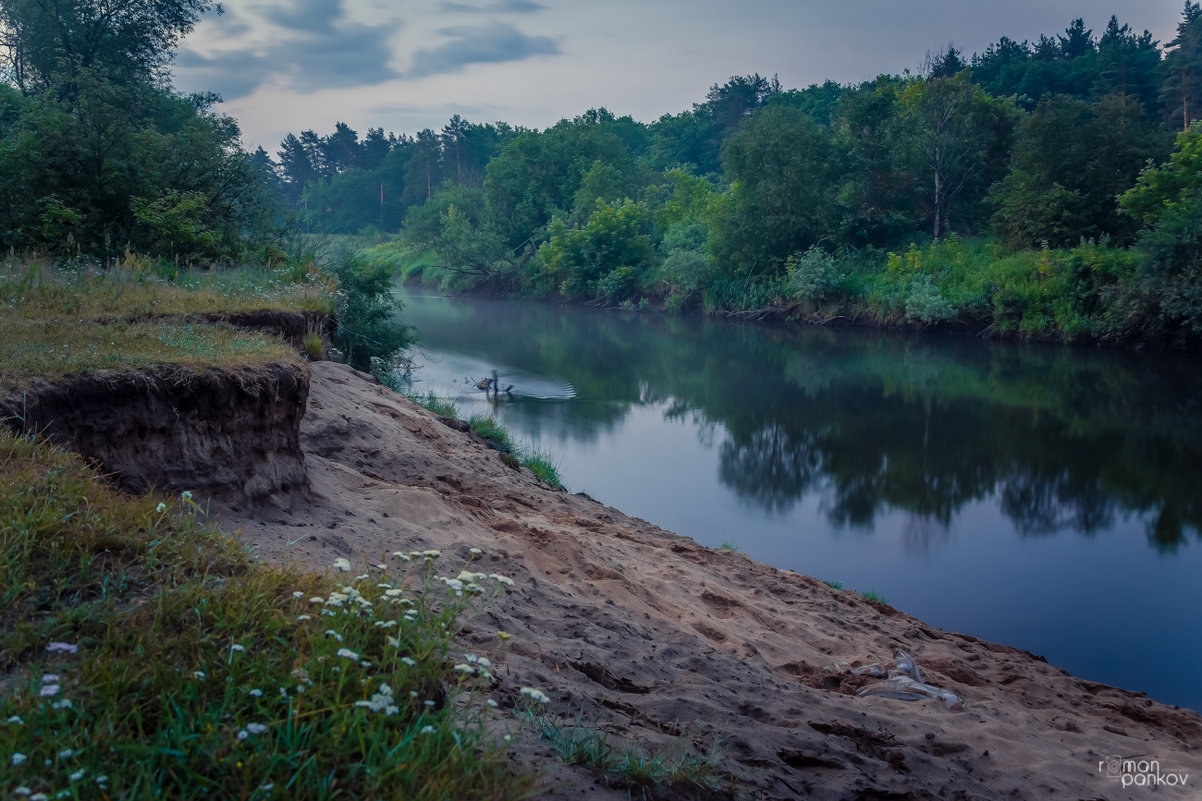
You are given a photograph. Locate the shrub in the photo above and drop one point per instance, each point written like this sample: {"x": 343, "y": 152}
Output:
{"x": 367, "y": 308}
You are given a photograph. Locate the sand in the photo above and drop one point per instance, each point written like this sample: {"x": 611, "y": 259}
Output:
{"x": 680, "y": 649}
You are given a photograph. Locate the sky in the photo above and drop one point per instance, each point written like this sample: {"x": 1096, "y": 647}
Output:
{"x": 283, "y": 66}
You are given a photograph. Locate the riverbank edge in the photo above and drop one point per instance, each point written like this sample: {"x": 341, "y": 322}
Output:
{"x": 807, "y": 675}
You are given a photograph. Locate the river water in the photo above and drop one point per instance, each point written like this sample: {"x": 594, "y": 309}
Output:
{"x": 1044, "y": 497}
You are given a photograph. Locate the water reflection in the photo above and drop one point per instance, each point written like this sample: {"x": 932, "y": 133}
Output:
{"x": 1058, "y": 439}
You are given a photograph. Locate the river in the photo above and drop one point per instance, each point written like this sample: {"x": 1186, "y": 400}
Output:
{"x": 1048, "y": 498}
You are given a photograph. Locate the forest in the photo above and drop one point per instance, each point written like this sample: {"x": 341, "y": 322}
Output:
{"x": 1047, "y": 190}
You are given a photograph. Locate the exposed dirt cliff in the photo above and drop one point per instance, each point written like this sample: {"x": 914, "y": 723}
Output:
{"x": 232, "y": 435}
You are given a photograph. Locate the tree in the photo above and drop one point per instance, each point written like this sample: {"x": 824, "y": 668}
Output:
{"x": 952, "y": 125}
{"x": 340, "y": 150}
{"x": 727, "y": 105}
{"x": 43, "y": 42}
{"x": 784, "y": 171}
{"x": 943, "y": 63}
{"x": 452, "y": 143}
{"x": 101, "y": 155}
{"x": 1167, "y": 201}
{"x": 1183, "y": 64}
{"x": 423, "y": 170}
{"x": 298, "y": 171}
{"x": 1071, "y": 160}
{"x": 607, "y": 258}
{"x": 878, "y": 197}
{"x": 1128, "y": 65}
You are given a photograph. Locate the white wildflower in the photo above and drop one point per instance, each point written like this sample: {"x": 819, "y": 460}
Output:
{"x": 497, "y": 577}
{"x": 256, "y": 728}
{"x": 162, "y": 507}
{"x": 198, "y": 674}
{"x": 427, "y": 729}
{"x": 347, "y": 653}
{"x": 464, "y": 668}
{"x": 491, "y": 703}
{"x": 343, "y": 564}
{"x": 65, "y": 647}
{"x": 18, "y": 758}
{"x": 304, "y": 617}
{"x": 534, "y": 695}
{"x": 239, "y": 648}
{"x": 62, "y": 703}
{"x": 334, "y": 634}
{"x": 298, "y": 594}
{"x": 48, "y": 690}
{"x": 317, "y": 599}
{"x": 15, "y": 720}
{"x": 77, "y": 775}
{"x": 475, "y": 551}
{"x": 256, "y": 693}
{"x": 408, "y": 660}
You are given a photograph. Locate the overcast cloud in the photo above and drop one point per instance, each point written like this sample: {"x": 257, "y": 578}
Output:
{"x": 288, "y": 65}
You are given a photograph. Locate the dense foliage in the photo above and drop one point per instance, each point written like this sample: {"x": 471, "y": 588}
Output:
{"x": 984, "y": 192}
{"x": 99, "y": 155}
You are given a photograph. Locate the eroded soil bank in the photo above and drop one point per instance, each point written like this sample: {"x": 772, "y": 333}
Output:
{"x": 216, "y": 433}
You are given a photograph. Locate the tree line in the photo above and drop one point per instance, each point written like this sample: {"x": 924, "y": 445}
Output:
{"x": 761, "y": 196}
{"x": 1048, "y": 188}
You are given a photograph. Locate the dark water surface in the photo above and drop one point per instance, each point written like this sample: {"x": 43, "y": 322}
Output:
{"x": 1043, "y": 497}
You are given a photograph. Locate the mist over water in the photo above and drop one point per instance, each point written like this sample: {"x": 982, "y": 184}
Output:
{"x": 1044, "y": 497}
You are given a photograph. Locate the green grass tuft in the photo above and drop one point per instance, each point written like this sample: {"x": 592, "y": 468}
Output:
{"x": 650, "y": 775}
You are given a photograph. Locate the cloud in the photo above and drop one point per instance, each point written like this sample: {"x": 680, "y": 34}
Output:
{"x": 491, "y": 44}
{"x": 497, "y": 7}
{"x": 311, "y": 16}
{"x": 318, "y": 49}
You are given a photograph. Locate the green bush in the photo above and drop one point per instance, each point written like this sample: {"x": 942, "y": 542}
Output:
{"x": 367, "y": 308}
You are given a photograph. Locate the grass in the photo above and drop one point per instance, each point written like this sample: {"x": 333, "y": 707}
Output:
{"x": 642, "y": 775}
{"x": 727, "y": 545}
{"x": 874, "y": 597}
{"x": 435, "y": 404}
{"x": 57, "y": 321}
{"x": 835, "y": 585}
{"x": 539, "y": 462}
{"x": 144, "y": 655}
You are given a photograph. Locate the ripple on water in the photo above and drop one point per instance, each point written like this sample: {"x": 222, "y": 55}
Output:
{"x": 454, "y": 375}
